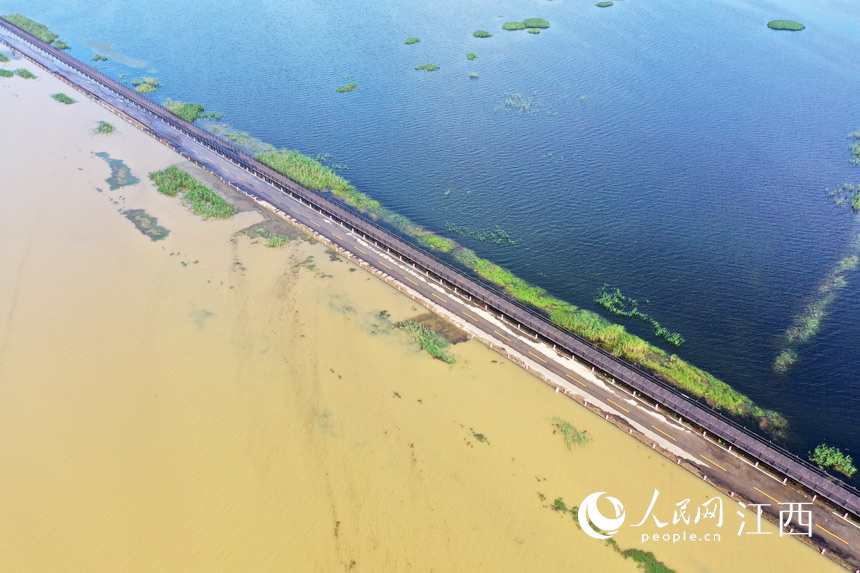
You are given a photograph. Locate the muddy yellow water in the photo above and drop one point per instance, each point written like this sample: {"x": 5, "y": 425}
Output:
{"x": 207, "y": 403}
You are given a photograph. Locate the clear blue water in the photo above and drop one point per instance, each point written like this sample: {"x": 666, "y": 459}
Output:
{"x": 681, "y": 152}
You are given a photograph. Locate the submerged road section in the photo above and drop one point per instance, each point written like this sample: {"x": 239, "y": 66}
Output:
{"x": 746, "y": 466}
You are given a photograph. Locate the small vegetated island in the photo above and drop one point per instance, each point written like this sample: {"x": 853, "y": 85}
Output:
{"x": 828, "y": 457}
{"x": 427, "y": 67}
{"x": 412, "y": 40}
{"x": 146, "y": 85}
{"x": 604, "y": 4}
{"x": 202, "y": 200}
{"x": 481, "y": 34}
{"x": 346, "y": 88}
{"x": 789, "y": 25}
{"x": 63, "y": 98}
{"x": 533, "y": 25}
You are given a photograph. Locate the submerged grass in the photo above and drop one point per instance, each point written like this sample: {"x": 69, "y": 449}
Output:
{"x": 481, "y": 34}
{"x": 535, "y": 23}
{"x": 591, "y": 326}
{"x": 346, "y": 88}
{"x": 202, "y": 200}
{"x": 6, "y": 73}
{"x": 427, "y": 67}
{"x": 430, "y": 340}
{"x": 63, "y": 98}
{"x": 855, "y": 147}
{"x": 513, "y": 26}
{"x": 618, "y": 304}
{"x": 25, "y": 73}
{"x": 39, "y": 30}
{"x": 120, "y": 173}
{"x": 146, "y": 224}
{"x": 146, "y": 85}
{"x": 3, "y": 58}
{"x": 61, "y": 45}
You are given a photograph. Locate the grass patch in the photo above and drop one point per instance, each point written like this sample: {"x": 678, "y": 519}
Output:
{"x": 25, "y": 73}
{"x": 306, "y": 171}
{"x": 481, "y": 34}
{"x": 146, "y": 224}
{"x": 535, "y": 23}
{"x": 39, "y": 30}
{"x": 515, "y": 101}
{"x": 104, "y": 128}
{"x": 533, "y": 30}
{"x": 855, "y": 148}
{"x": 186, "y": 110}
{"x": 427, "y": 67}
{"x": 3, "y": 58}
{"x": 6, "y": 73}
{"x": 200, "y": 198}
{"x": 346, "y": 88}
{"x": 828, "y": 457}
{"x": 604, "y": 4}
{"x": 430, "y": 340}
{"x": 790, "y": 25}
{"x": 61, "y": 45}
{"x": 412, "y": 40}
{"x": 146, "y": 85}
{"x": 572, "y": 436}
{"x": 472, "y": 55}
{"x": 510, "y": 26}
{"x": 63, "y": 98}
{"x": 647, "y": 561}
{"x": 99, "y": 58}
{"x": 277, "y": 241}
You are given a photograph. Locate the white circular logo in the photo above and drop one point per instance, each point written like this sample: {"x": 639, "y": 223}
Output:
{"x": 591, "y": 518}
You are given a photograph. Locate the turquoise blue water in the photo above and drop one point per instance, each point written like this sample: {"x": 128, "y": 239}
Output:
{"x": 680, "y": 151}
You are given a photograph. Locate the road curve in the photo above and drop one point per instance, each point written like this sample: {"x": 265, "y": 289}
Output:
{"x": 657, "y": 413}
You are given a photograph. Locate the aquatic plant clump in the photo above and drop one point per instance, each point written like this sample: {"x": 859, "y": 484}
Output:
{"x": 63, "y": 98}
{"x": 346, "y": 88}
{"x": 61, "y": 45}
{"x": 430, "y": 340}
{"x": 412, "y": 40}
{"x": 202, "y": 200}
{"x": 604, "y": 4}
{"x": 3, "y": 58}
{"x": 828, "y": 457}
{"x": 471, "y": 56}
{"x": 25, "y": 73}
{"x": 306, "y": 171}
{"x": 6, "y": 73}
{"x": 572, "y": 436}
{"x": 146, "y": 85}
{"x": 533, "y": 30}
{"x": 789, "y": 25}
{"x": 510, "y": 26}
{"x": 481, "y": 34}
{"x": 39, "y": 30}
{"x": 427, "y": 67}
{"x": 847, "y": 195}
{"x": 104, "y": 128}
{"x": 99, "y": 58}
{"x": 535, "y": 23}
{"x": 855, "y": 147}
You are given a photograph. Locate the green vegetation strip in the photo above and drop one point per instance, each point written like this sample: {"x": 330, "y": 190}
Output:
{"x": 346, "y": 88}
{"x": 412, "y": 40}
{"x": 186, "y": 110}
{"x": 618, "y": 304}
{"x": 25, "y": 73}
{"x": 6, "y": 73}
{"x": 590, "y": 325}
{"x": 63, "y": 98}
{"x": 481, "y": 34}
{"x": 855, "y": 147}
{"x": 202, "y": 200}
{"x": 3, "y": 58}
{"x": 533, "y": 30}
{"x": 39, "y": 30}
{"x": 427, "y": 67}
{"x": 430, "y": 340}
{"x": 604, "y": 4}
{"x": 104, "y": 128}
{"x": 535, "y": 23}
{"x": 99, "y": 58}
{"x": 828, "y": 457}
{"x": 790, "y": 25}
{"x": 61, "y": 45}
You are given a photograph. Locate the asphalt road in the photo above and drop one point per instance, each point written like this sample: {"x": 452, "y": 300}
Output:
{"x": 724, "y": 468}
